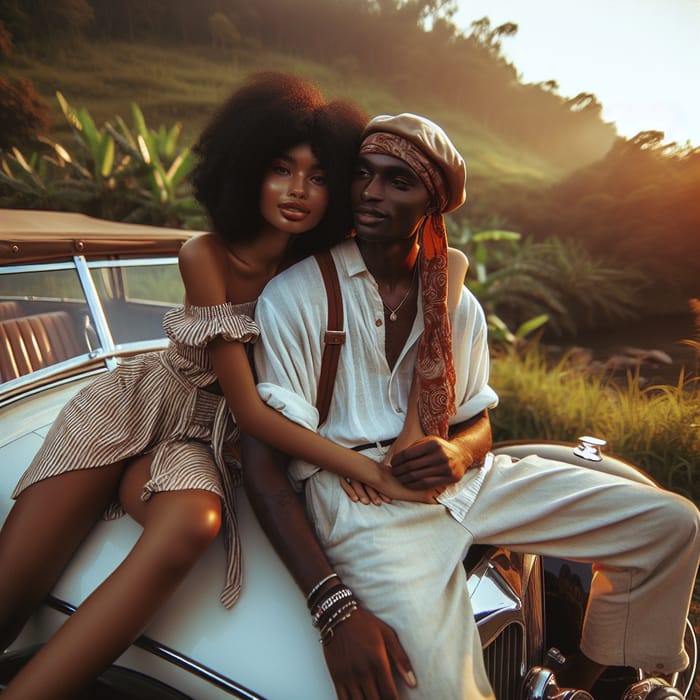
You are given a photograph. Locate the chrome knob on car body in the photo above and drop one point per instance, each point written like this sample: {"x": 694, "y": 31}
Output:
{"x": 590, "y": 448}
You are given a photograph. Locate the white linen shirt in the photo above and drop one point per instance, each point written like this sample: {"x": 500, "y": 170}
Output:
{"x": 369, "y": 399}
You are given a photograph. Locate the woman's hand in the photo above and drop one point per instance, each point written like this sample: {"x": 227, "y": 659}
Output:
{"x": 357, "y": 491}
{"x": 390, "y": 489}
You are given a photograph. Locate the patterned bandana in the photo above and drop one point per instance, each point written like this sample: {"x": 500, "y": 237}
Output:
{"x": 434, "y": 366}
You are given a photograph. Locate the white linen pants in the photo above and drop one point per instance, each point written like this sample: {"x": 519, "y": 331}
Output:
{"x": 403, "y": 561}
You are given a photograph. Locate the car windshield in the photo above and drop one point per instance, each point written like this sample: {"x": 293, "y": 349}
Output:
{"x": 55, "y": 316}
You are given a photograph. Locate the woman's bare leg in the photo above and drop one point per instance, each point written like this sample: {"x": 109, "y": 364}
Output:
{"x": 43, "y": 529}
{"x": 178, "y": 527}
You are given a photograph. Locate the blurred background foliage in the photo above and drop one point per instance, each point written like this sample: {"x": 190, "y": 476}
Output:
{"x": 608, "y": 227}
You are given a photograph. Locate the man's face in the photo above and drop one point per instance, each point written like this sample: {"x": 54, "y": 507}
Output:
{"x": 388, "y": 198}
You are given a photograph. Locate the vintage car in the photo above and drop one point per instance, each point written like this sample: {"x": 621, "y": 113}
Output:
{"x": 76, "y": 295}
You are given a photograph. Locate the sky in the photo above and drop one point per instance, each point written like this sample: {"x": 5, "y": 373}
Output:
{"x": 640, "y": 58}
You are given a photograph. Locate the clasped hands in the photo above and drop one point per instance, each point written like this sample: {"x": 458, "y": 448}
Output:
{"x": 419, "y": 472}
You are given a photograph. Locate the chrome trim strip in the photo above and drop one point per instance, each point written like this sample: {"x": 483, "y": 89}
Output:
{"x": 43, "y": 378}
{"x": 171, "y": 655}
{"x": 47, "y": 378}
{"x": 132, "y": 262}
{"x": 104, "y": 334}
{"x": 36, "y": 267}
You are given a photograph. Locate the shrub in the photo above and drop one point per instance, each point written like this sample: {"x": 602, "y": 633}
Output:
{"x": 23, "y": 113}
{"x": 6, "y": 44}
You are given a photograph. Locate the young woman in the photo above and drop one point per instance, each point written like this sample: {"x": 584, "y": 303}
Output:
{"x": 155, "y": 438}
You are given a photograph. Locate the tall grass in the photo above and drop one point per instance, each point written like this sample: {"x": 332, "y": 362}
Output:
{"x": 657, "y": 428}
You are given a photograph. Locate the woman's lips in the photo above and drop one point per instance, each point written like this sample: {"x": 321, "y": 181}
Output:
{"x": 293, "y": 212}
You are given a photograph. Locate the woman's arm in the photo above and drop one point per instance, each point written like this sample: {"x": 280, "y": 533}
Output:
{"x": 207, "y": 282}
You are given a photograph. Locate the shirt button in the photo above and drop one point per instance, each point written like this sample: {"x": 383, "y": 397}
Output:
{"x": 378, "y": 322}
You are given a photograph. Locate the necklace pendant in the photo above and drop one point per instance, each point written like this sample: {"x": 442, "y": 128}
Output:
{"x": 393, "y": 316}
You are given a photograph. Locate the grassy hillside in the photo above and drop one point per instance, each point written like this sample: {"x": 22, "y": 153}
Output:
{"x": 185, "y": 83}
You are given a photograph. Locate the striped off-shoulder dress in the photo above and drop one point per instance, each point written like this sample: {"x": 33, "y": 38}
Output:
{"x": 157, "y": 402}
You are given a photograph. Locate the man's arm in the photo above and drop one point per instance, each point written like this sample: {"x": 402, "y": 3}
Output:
{"x": 363, "y": 649}
{"x": 433, "y": 462}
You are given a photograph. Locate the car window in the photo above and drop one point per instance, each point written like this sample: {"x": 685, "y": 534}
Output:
{"x": 44, "y": 319}
{"x": 48, "y": 284}
{"x": 73, "y": 312}
{"x": 135, "y": 295}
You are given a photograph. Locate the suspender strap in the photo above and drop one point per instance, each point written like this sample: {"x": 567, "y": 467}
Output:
{"x": 334, "y": 337}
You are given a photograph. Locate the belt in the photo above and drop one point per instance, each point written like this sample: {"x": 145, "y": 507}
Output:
{"x": 378, "y": 443}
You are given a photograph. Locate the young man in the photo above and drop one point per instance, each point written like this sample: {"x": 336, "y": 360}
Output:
{"x": 402, "y": 561}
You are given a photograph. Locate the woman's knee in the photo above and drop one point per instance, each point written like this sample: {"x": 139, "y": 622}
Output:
{"x": 184, "y": 524}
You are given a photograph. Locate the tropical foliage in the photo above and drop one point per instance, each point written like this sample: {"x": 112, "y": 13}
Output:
{"x": 525, "y": 285}
{"x": 113, "y": 172}
{"x": 541, "y": 163}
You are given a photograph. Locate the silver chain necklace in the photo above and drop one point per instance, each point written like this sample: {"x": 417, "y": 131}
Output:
{"x": 392, "y": 312}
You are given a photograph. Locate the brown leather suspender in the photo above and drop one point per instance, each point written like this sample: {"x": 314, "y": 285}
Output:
{"x": 334, "y": 337}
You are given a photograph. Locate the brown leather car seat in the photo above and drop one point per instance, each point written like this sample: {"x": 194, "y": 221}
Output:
{"x": 9, "y": 309}
{"x": 29, "y": 343}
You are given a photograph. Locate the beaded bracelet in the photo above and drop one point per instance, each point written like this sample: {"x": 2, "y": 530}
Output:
{"x": 328, "y": 622}
{"x": 327, "y": 632}
{"x": 328, "y": 607}
{"x": 332, "y": 596}
{"x": 317, "y": 587}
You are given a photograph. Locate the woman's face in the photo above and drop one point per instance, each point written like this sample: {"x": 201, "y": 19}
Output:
{"x": 294, "y": 193}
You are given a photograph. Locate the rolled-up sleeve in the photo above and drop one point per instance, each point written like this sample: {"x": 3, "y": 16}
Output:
{"x": 287, "y": 356}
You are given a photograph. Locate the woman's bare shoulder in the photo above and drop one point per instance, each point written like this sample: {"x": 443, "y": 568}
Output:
{"x": 201, "y": 246}
{"x": 204, "y": 268}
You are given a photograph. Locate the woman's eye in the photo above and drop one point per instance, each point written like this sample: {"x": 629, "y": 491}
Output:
{"x": 280, "y": 169}
{"x": 319, "y": 180}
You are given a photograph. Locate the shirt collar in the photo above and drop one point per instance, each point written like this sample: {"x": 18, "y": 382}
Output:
{"x": 351, "y": 258}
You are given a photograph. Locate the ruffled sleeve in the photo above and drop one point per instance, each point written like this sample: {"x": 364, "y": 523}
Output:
{"x": 198, "y": 325}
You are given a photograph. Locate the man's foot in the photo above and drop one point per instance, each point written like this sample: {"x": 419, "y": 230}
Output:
{"x": 651, "y": 689}
{"x": 541, "y": 684}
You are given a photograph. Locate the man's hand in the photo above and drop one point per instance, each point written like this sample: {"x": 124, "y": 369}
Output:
{"x": 434, "y": 463}
{"x": 360, "y": 658}
{"x": 431, "y": 462}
